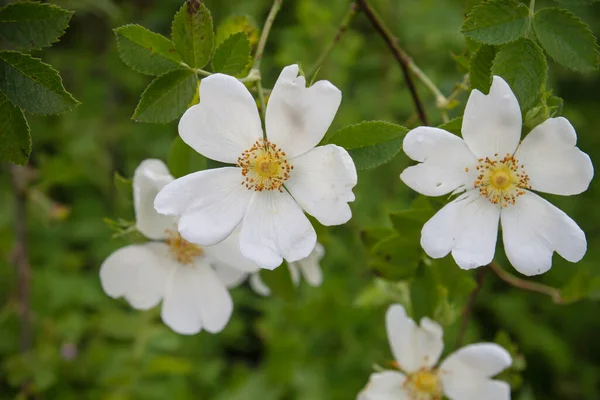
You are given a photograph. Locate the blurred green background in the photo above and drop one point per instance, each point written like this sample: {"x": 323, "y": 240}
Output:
{"x": 317, "y": 343}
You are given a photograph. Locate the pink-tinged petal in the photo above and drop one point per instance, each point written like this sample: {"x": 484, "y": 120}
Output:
{"x": 224, "y": 123}
{"x": 386, "y": 385}
{"x": 533, "y": 229}
{"x": 492, "y": 123}
{"x": 298, "y": 117}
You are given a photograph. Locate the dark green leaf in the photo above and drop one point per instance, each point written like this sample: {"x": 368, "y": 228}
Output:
{"x": 29, "y": 25}
{"x": 167, "y": 97}
{"x": 183, "y": 160}
{"x": 279, "y": 281}
{"x": 15, "y": 140}
{"x": 424, "y": 294}
{"x": 453, "y": 126}
{"x": 33, "y": 85}
{"x": 566, "y": 38}
{"x": 232, "y": 55}
{"x": 145, "y": 51}
{"x": 523, "y": 65}
{"x": 193, "y": 34}
{"x": 411, "y": 221}
{"x": 396, "y": 257}
{"x": 497, "y": 22}
{"x": 480, "y": 68}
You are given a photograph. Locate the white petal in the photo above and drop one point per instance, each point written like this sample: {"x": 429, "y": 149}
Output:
{"x": 413, "y": 347}
{"x": 492, "y": 123}
{"x": 533, "y": 229}
{"x": 294, "y": 269}
{"x": 552, "y": 161}
{"x": 446, "y": 163}
{"x": 274, "y": 228}
{"x": 322, "y": 182}
{"x": 467, "y": 226}
{"x": 138, "y": 273}
{"x": 148, "y": 179}
{"x": 224, "y": 123}
{"x": 310, "y": 267}
{"x": 467, "y": 388}
{"x": 258, "y": 285}
{"x": 228, "y": 253}
{"x": 196, "y": 299}
{"x": 211, "y": 204}
{"x": 230, "y": 277}
{"x": 297, "y": 117}
{"x": 386, "y": 385}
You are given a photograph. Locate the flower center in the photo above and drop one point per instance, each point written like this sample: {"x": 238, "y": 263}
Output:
{"x": 264, "y": 167}
{"x": 184, "y": 251}
{"x": 424, "y": 385}
{"x": 501, "y": 180}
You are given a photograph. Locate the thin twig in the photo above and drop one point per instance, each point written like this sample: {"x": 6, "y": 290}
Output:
{"x": 469, "y": 307}
{"x": 20, "y": 254}
{"x": 525, "y": 284}
{"x": 346, "y": 20}
{"x": 400, "y": 55}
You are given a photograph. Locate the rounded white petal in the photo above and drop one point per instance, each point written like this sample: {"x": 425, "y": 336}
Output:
{"x": 196, "y": 299}
{"x": 148, "y": 179}
{"x": 467, "y": 388}
{"x": 297, "y": 117}
{"x": 386, "y": 385}
{"x": 228, "y": 253}
{"x": 274, "y": 228}
{"x": 467, "y": 227}
{"x": 492, "y": 123}
{"x": 224, "y": 123}
{"x": 138, "y": 273}
{"x": 413, "y": 347}
{"x": 211, "y": 204}
{"x": 322, "y": 182}
{"x": 446, "y": 163}
{"x": 552, "y": 160}
{"x": 294, "y": 269}
{"x": 533, "y": 229}
{"x": 257, "y": 284}
{"x": 310, "y": 266}
{"x": 230, "y": 277}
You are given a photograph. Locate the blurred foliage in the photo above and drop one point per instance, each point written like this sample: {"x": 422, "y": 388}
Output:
{"x": 318, "y": 343}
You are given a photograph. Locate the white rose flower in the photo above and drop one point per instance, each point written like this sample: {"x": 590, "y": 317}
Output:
{"x": 274, "y": 179}
{"x": 190, "y": 280}
{"x": 464, "y": 375}
{"x": 497, "y": 175}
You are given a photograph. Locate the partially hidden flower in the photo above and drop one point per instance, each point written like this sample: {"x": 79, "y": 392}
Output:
{"x": 190, "y": 280}
{"x": 497, "y": 175}
{"x": 465, "y": 374}
{"x": 276, "y": 178}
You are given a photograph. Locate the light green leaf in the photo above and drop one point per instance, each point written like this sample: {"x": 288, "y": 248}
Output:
{"x": 145, "y": 51}
{"x": 497, "y": 22}
{"x": 370, "y": 143}
{"x": 578, "y": 2}
{"x": 480, "y": 68}
{"x": 453, "y": 126}
{"x": 15, "y": 140}
{"x": 33, "y": 85}
{"x": 237, "y": 23}
{"x": 168, "y": 365}
{"x": 29, "y": 25}
{"x": 167, "y": 97}
{"x": 183, "y": 160}
{"x": 424, "y": 293}
{"x": 193, "y": 34}
{"x": 566, "y": 38}
{"x": 523, "y": 65}
{"x": 232, "y": 55}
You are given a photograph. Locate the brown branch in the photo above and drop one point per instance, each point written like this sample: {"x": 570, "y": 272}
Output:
{"x": 469, "y": 307}
{"x": 525, "y": 284}
{"x": 399, "y": 54}
{"x": 20, "y": 254}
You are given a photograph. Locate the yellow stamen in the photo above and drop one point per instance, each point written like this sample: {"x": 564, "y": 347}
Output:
{"x": 501, "y": 181}
{"x": 424, "y": 385}
{"x": 264, "y": 167}
{"x": 184, "y": 251}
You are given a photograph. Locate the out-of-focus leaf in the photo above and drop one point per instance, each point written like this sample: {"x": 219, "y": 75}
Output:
{"x": 15, "y": 140}
{"x": 396, "y": 257}
{"x": 183, "y": 160}
{"x": 279, "y": 281}
{"x": 237, "y": 23}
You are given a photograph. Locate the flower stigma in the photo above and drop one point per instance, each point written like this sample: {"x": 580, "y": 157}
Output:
{"x": 264, "y": 167}
{"x": 424, "y": 385}
{"x": 501, "y": 181}
{"x": 184, "y": 251}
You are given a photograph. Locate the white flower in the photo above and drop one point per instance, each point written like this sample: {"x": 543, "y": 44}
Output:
{"x": 185, "y": 276}
{"x": 274, "y": 179}
{"x": 497, "y": 175}
{"x": 464, "y": 375}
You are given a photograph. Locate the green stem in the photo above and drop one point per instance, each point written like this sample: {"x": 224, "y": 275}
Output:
{"x": 265, "y": 33}
{"x": 525, "y": 284}
{"x": 531, "y": 7}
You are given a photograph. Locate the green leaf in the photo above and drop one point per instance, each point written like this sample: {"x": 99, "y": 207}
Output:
{"x": 193, "y": 34}
{"x": 232, "y": 55}
{"x": 167, "y": 97}
{"x": 523, "y": 65}
{"x": 566, "y": 38}
{"x": 453, "y": 126}
{"x": 15, "y": 140}
{"x": 396, "y": 257}
{"x": 424, "y": 294}
{"x": 480, "y": 68}
{"x": 370, "y": 143}
{"x": 237, "y": 23}
{"x": 33, "y": 85}
{"x": 124, "y": 186}
{"x": 497, "y": 22}
{"x": 279, "y": 281}
{"x": 183, "y": 160}
{"x": 578, "y": 2}
{"x": 28, "y": 25}
{"x": 145, "y": 51}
